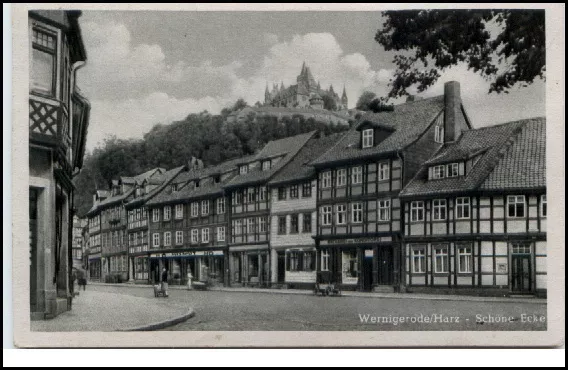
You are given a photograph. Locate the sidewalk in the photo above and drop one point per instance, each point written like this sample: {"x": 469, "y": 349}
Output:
{"x": 429, "y": 297}
{"x": 101, "y": 311}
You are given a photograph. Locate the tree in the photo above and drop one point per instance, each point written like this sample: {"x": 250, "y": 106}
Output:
{"x": 428, "y": 42}
{"x": 329, "y": 103}
{"x": 364, "y": 100}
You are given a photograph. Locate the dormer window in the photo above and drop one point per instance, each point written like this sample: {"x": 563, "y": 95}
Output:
{"x": 243, "y": 170}
{"x": 438, "y": 172}
{"x": 265, "y": 165}
{"x": 439, "y": 134}
{"x": 367, "y": 138}
{"x": 453, "y": 170}
{"x": 174, "y": 187}
{"x": 446, "y": 170}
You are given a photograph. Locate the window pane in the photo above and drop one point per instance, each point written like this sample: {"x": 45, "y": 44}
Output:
{"x": 42, "y": 71}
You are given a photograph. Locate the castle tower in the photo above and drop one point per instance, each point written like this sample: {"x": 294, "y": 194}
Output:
{"x": 344, "y": 98}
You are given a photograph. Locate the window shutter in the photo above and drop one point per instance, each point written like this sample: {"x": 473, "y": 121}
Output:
{"x": 462, "y": 169}
{"x": 429, "y": 173}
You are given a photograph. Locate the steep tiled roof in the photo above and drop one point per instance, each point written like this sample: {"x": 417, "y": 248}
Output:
{"x": 524, "y": 164}
{"x": 143, "y": 176}
{"x": 409, "y": 120}
{"x": 288, "y": 147}
{"x": 493, "y": 143}
{"x": 162, "y": 180}
{"x": 299, "y": 168}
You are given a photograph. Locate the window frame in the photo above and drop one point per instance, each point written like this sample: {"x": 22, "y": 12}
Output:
{"x": 543, "y": 206}
{"x": 221, "y": 236}
{"x": 179, "y": 237}
{"x": 54, "y": 53}
{"x": 168, "y": 214}
{"x": 167, "y": 238}
{"x": 205, "y": 207}
{"x": 420, "y": 258}
{"x": 326, "y": 215}
{"x": 282, "y": 192}
{"x": 462, "y": 206}
{"x": 221, "y": 206}
{"x": 438, "y": 207}
{"x": 469, "y": 257}
{"x": 385, "y": 207}
{"x": 194, "y": 209}
{"x": 305, "y": 217}
{"x": 179, "y": 211}
{"x": 295, "y": 217}
{"x": 294, "y": 192}
{"x": 156, "y": 215}
{"x": 367, "y": 138}
{"x": 326, "y": 179}
{"x": 416, "y": 208}
{"x": 515, "y": 204}
{"x": 438, "y": 172}
{"x": 195, "y": 236}
{"x": 205, "y": 232}
{"x": 261, "y": 224}
{"x": 444, "y": 257}
{"x": 340, "y": 209}
{"x": 439, "y": 134}
{"x": 383, "y": 171}
{"x": 357, "y": 175}
{"x": 341, "y": 174}
{"x": 307, "y": 189}
{"x": 282, "y": 227}
{"x": 325, "y": 257}
{"x": 356, "y": 208}
{"x": 450, "y": 167}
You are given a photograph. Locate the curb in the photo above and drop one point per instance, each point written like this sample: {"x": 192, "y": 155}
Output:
{"x": 451, "y": 298}
{"x": 162, "y": 324}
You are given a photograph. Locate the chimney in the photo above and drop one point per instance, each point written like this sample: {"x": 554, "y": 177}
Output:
{"x": 452, "y": 111}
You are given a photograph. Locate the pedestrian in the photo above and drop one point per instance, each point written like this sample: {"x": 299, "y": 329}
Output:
{"x": 82, "y": 278}
{"x": 73, "y": 279}
{"x": 189, "y": 278}
{"x": 165, "y": 281}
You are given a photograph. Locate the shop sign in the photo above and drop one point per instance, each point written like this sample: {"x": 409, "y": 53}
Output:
{"x": 355, "y": 241}
{"x": 186, "y": 254}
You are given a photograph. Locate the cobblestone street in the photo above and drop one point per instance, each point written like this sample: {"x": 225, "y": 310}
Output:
{"x": 226, "y": 311}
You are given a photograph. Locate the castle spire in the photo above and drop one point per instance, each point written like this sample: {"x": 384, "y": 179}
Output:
{"x": 344, "y": 95}
{"x": 282, "y": 85}
{"x": 303, "y": 68}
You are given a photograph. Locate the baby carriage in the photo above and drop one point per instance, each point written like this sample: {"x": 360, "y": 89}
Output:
{"x": 159, "y": 291}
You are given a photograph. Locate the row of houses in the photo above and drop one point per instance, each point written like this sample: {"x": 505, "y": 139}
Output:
{"x": 409, "y": 200}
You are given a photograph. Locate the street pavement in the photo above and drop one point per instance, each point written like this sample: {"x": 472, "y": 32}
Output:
{"x": 100, "y": 310}
{"x": 246, "y": 310}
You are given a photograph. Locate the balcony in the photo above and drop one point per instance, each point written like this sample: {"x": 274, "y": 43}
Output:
{"x": 49, "y": 124}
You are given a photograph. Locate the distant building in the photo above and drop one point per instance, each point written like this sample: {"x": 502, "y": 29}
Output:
{"x": 58, "y": 121}
{"x": 78, "y": 246}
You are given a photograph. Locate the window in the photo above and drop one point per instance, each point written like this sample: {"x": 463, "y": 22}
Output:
{"x": 238, "y": 227}
{"x": 250, "y": 226}
{"x": 384, "y": 210}
{"x": 238, "y": 197}
{"x": 326, "y": 179}
{"x": 205, "y": 235}
{"x": 357, "y": 213}
{"x": 194, "y": 209}
{"x": 453, "y": 170}
{"x": 265, "y": 165}
{"x": 167, "y": 213}
{"x": 326, "y": 215}
{"x": 155, "y": 215}
{"x": 440, "y": 259}
{"x": 293, "y": 261}
{"x": 543, "y": 205}
{"x": 261, "y": 224}
{"x": 308, "y": 261}
{"x": 243, "y": 169}
{"x": 439, "y": 134}
{"x": 167, "y": 238}
{"x": 341, "y": 177}
{"x": 306, "y": 190}
{"x": 419, "y": 260}
{"x": 179, "y": 211}
{"x": 439, "y": 208}
{"x": 516, "y": 206}
{"x": 220, "y": 206}
{"x": 438, "y": 172}
{"x": 156, "y": 240}
{"x": 174, "y": 187}
{"x": 462, "y": 208}
{"x": 204, "y": 207}
{"x": 294, "y": 192}
{"x": 221, "y": 233}
{"x": 194, "y": 236}
{"x": 357, "y": 175}
{"x": 43, "y": 62}
{"x": 417, "y": 211}
{"x": 384, "y": 171}
{"x": 179, "y": 237}
{"x": 521, "y": 248}
{"x": 353, "y": 267}
{"x": 294, "y": 224}
{"x": 251, "y": 195}
{"x": 282, "y": 193}
{"x": 262, "y": 194}
{"x": 367, "y": 138}
{"x": 465, "y": 260}
{"x": 340, "y": 214}
{"x": 325, "y": 260}
{"x": 307, "y": 223}
{"x": 281, "y": 225}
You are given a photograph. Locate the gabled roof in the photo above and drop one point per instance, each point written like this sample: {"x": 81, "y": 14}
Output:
{"x": 288, "y": 147}
{"x": 496, "y": 143}
{"x": 162, "y": 180}
{"x": 524, "y": 164}
{"x": 299, "y": 168}
{"x": 138, "y": 179}
{"x": 409, "y": 121}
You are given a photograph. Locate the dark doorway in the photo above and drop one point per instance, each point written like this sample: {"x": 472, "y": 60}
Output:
{"x": 33, "y": 248}
{"x": 521, "y": 274}
{"x": 281, "y": 267}
{"x": 367, "y": 272}
{"x": 386, "y": 265}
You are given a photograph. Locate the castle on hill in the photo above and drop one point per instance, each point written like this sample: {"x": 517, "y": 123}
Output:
{"x": 305, "y": 94}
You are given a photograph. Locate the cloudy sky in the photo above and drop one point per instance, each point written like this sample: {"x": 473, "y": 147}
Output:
{"x": 155, "y": 67}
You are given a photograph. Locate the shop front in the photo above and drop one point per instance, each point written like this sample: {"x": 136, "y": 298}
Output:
{"x": 207, "y": 266}
{"x": 363, "y": 264}
{"x": 250, "y": 265}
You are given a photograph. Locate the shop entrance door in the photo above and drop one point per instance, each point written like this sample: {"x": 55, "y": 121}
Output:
{"x": 521, "y": 273}
{"x": 367, "y": 271}
{"x": 281, "y": 267}
{"x": 386, "y": 265}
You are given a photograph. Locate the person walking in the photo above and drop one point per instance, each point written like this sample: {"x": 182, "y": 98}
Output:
{"x": 82, "y": 278}
{"x": 165, "y": 281}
